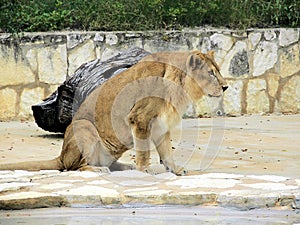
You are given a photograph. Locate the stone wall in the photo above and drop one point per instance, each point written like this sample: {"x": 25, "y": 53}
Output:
{"x": 261, "y": 66}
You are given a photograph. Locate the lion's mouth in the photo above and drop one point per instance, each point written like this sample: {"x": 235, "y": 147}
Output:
{"x": 214, "y": 96}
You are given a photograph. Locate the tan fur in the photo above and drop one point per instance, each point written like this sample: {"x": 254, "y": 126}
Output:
{"x": 134, "y": 109}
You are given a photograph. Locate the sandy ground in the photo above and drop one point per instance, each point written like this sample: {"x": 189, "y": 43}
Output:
{"x": 240, "y": 145}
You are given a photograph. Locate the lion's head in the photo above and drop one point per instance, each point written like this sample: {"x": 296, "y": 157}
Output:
{"x": 204, "y": 72}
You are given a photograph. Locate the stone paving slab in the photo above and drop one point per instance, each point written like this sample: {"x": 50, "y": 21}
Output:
{"x": 27, "y": 190}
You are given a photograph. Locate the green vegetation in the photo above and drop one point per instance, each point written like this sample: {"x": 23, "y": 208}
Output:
{"x": 112, "y": 15}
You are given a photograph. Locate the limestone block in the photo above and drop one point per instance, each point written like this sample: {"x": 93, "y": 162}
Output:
{"x": 236, "y": 61}
{"x": 257, "y": 99}
{"x": 89, "y": 190}
{"x": 191, "y": 112}
{"x": 111, "y": 39}
{"x": 273, "y": 83}
{"x": 91, "y": 195}
{"x": 52, "y": 64}
{"x": 81, "y": 54}
{"x": 247, "y": 199}
{"x": 202, "y": 107}
{"x": 193, "y": 42}
{"x": 54, "y": 186}
{"x": 99, "y": 48}
{"x": 289, "y": 101}
{"x": 108, "y": 53}
{"x": 211, "y": 106}
{"x": 265, "y": 57}
{"x": 132, "y": 42}
{"x": 99, "y": 44}
{"x": 239, "y": 64}
{"x": 271, "y": 186}
{"x": 233, "y": 98}
{"x": 205, "y": 44}
{"x": 99, "y": 37}
{"x": 288, "y": 36}
{"x": 270, "y": 35}
{"x": 28, "y": 98}
{"x": 132, "y": 34}
{"x": 166, "y": 42}
{"x": 204, "y": 183}
{"x": 15, "y": 186}
{"x": 254, "y": 39}
{"x": 221, "y": 44}
{"x": 8, "y": 98}
{"x": 31, "y": 56}
{"x": 190, "y": 197}
{"x": 290, "y": 61}
{"x": 14, "y": 69}
{"x": 29, "y": 200}
{"x": 239, "y": 34}
{"x": 157, "y": 197}
{"x": 272, "y": 178}
{"x": 51, "y": 89}
{"x": 75, "y": 39}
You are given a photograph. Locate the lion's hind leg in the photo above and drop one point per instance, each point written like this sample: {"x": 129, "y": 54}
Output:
{"x": 83, "y": 149}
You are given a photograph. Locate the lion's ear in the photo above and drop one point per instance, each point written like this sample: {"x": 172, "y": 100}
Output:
{"x": 193, "y": 61}
{"x": 200, "y": 54}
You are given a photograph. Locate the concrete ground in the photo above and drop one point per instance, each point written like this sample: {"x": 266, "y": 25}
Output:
{"x": 244, "y": 163}
{"x": 187, "y": 215}
{"x": 256, "y": 145}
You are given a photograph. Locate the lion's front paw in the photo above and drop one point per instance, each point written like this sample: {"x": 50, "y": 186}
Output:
{"x": 178, "y": 170}
{"x": 102, "y": 170}
{"x": 181, "y": 172}
{"x": 155, "y": 169}
{"x": 142, "y": 168}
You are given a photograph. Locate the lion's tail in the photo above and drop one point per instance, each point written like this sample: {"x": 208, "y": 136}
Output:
{"x": 54, "y": 164}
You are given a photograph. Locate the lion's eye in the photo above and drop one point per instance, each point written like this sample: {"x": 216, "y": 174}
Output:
{"x": 212, "y": 73}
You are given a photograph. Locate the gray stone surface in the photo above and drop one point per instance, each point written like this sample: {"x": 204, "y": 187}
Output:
{"x": 239, "y": 64}
{"x": 254, "y": 40}
{"x": 288, "y": 36}
{"x": 265, "y": 57}
{"x": 270, "y": 35}
{"x": 237, "y": 54}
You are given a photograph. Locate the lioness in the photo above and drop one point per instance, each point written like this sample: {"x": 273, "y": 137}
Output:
{"x": 134, "y": 109}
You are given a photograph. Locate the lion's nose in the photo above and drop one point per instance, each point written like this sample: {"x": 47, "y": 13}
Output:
{"x": 224, "y": 87}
